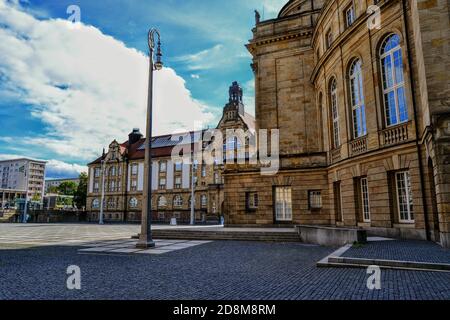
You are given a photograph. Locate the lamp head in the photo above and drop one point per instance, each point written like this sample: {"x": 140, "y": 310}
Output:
{"x": 159, "y": 64}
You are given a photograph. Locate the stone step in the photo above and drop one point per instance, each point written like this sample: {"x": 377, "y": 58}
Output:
{"x": 224, "y": 235}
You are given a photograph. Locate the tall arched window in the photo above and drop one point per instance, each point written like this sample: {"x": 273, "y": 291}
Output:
{"x": 178, "y": 201}
{"x": 95, "y": 204}
{"x": 335, "y": 113}
{"x": 162, "y": 202}
{"x": 396, "y": 110}
{"x": 357, "y": 99}
{"x": 133, "y": 203}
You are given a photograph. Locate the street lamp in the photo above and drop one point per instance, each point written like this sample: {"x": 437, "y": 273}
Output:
{"x": 145, "y": 239}
{"x": 102, "y": 201}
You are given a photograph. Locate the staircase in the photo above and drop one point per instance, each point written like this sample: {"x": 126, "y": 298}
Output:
{"x": 267, "y": 236}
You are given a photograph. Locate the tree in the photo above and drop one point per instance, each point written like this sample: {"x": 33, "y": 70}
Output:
{"x": 53, "y": 190}
{"x": 81, "y": 192}
{"x": 67, "y": 188}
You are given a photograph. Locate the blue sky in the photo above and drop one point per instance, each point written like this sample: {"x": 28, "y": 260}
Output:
{"x": 65, "y": 93}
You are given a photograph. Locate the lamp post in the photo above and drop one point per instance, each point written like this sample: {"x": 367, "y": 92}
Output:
{"x": 145, "y": 239}
{"x": 192, "y": 191}
{"x": 102, "y": 199}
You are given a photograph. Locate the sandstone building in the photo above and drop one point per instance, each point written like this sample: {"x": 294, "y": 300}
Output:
{"x": 360, "y": 91}
{"x": 121, "y": 171}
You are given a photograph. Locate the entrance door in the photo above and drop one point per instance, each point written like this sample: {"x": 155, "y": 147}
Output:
{"x": 283, "y": 204}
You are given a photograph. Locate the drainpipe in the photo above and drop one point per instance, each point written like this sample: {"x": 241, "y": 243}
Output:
{"x": 413, "y": 93}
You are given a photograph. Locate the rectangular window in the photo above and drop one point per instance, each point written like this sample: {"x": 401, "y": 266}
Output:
{"x": 404, "y": 197}
{"x": 178, "y": 166}
{"x": 337, "y": 202}
{"x": 162, "y": 183}
{"x": 349, "y": 16}
{"x": 365, "y": 202}
{"x": 315, "y": 199}
{"x": 252, "y": 201}
{"x": 203, "y": 171}
{"x": 97, "y": 172}
{"x": 133, "y": 185}
{"x": 134, "y": 170}
{"x": 162, "y": 166}
{"x": 178, "y": 183}
{"x": 283, "y": 204}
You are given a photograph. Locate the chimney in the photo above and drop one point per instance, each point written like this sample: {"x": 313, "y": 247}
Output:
{"x": 134, "y": 136}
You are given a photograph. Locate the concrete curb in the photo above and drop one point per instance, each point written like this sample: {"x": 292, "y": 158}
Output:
{"x": 337, "y": 261}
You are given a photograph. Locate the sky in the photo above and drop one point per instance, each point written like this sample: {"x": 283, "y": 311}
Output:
{"x": 69, "y": 89}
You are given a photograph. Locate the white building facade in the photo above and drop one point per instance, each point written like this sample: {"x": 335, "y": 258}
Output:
{"x": 25, "y": 175}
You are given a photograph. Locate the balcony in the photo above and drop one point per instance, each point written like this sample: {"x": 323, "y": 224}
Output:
{"x": 395, "y": 135}
{"x": 358, "y": 146}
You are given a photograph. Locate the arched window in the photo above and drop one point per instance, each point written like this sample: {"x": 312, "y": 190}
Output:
{"x": 95, "y": 204}
{"x": 396, "y": 110}
{"x": 178, "y": 201}
{"x": 204, "y": 200}
{"x": 162, "y": 202}
{"x": 357, "y": 99}
{"x": 112, "y": 203}
{"x": 133, "y": 203}
{"x": 335, "y": 113}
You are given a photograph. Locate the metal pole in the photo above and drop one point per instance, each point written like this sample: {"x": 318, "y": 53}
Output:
{"x": 145, "y": 239}
{"x": 192, "y": 192}
{"x": 103, "y": 194}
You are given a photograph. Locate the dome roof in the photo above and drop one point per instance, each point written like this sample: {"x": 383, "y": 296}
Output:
{"x": 294, "y": 7}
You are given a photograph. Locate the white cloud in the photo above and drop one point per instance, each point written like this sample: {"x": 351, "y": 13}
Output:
{"x": 53, "y": 168}
{"x": 195, "y": 76}
{"x": 87, "y": 87}
{"x": 205, "y": 59}
{"x": 59, "y": 169}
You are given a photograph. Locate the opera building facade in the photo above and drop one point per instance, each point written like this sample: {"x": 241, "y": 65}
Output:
{"x": 359, "y": 91}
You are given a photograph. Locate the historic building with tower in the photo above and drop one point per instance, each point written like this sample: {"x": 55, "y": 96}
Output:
{"x": 119, "y": 173}
{"x": 360, "y": 91}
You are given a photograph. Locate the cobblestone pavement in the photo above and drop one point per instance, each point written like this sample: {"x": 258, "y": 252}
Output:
{"x": 216, "y": 270}
{"x": 418, "y": 251}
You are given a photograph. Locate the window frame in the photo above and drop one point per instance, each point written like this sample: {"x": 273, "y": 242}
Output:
{"x": 357, "y": 99}
{"x": 406, "y": 179}
{"x": 286, "y": 203}
{"x": 334, "y": 104}
{"x": 159, "y": 205}
{"x": 383, "y": 54}
{"x": 133, "y": 203}
{"x": 314, "y": 194}
{"x": 251, "y": 201}
{"x": 365, "y": 202}
{"x": 177, "y": 201}
{"x": 349, "y": 8}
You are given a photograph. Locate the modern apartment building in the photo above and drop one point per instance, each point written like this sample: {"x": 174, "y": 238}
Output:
{"x": 24, "y": 175}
